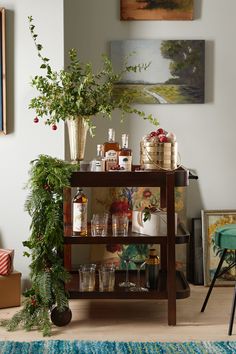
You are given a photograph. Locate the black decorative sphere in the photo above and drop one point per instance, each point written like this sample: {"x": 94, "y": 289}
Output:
{"x": 61, "y": 318}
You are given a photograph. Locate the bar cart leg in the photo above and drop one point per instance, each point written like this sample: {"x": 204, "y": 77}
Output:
{"x": 67, "y": 228}
{"x": 171, "y": 272}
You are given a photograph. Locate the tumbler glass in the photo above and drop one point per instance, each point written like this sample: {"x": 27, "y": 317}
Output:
{"x": 120, "y": 225}
{"x": 99, "y": 224}
{"x": 106, "y": 278}
{"x": 87, "y": 277}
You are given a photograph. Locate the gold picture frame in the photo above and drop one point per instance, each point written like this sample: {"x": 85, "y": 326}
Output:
{"x": 3, "y": 119}
{"x": 211, "y": 219}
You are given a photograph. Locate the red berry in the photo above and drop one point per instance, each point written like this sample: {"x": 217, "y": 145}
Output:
{"x": 36, "y": 120}
{"x": 160, "y": 131}
{"x": 163, "y": 139}
{"x": 54, "y": 127}
{"x": 152, "y": 134}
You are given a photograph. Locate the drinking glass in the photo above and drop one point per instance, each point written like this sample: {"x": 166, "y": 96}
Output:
{"x": 87, "y": 277}
{"x": 106, "y": 278}
{"x": 120, "y": 224}
{"x": 126, "y": 259}
{"x": 99, "y": 224}
{"x": 139, "y": 261}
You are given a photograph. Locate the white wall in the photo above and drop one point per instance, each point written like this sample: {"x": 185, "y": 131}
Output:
{"x": 25, "y": 140}
{"x": 205, "y": 132}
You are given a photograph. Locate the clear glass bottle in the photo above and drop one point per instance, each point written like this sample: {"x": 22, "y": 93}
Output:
{"x": 152, "y": 269}
{"x": 98, "y": 164}
{"x": 80, "y": 205}
{"x": 110, "y": 150}
{"x": 125, "y": 154}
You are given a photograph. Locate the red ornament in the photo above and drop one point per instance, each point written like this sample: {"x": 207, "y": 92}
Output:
{"x": 33, "y": 302}
{"x": 54, "y": 127}
{"x": 46, "y": 187}
{"x": 36, "y": 120}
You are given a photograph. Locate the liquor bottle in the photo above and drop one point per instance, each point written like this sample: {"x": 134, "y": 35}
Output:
{"x": 80, "y": 203}
{"x": 110, "y": 150}
{"x": 152, "y": 269}
{"x": 98, "y": 164}
{"x": 125, "y": 154}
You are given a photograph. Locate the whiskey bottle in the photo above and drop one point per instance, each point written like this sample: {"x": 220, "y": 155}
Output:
{"x": 152, "y": 269}
{"x": 125, "y": 154}
{"x": 80, "y": 203}
{"x": 110, "y": 150}
{"x": 98, "y": 164}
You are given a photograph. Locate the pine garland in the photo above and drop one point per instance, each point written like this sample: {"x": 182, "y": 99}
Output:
{"x": 48, "y": 177}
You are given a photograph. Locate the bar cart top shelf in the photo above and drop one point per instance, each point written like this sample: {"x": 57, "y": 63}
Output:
{"x": 135, "y": 178}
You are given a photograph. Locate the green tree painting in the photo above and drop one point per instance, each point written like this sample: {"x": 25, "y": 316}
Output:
{"x": 175, "y": 74}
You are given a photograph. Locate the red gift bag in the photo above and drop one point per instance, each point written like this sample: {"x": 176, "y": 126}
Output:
{"x": 6, "y": 261}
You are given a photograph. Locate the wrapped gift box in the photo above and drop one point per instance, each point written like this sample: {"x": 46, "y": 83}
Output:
{"x": 6, "y": 261}
{"x": 155, "y": 226}
{"x": 10, "y": 290}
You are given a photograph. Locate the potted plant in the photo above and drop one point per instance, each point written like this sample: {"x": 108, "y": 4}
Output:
{"x": 77, "y": 94}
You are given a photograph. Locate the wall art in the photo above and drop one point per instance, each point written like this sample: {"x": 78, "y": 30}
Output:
{"x": 156, "y": 10}
{"x": 2, "y": 73}
{"x": 175, "y": 74}
{"x": 125, "y": 199}
{"x": 211, "y": 219}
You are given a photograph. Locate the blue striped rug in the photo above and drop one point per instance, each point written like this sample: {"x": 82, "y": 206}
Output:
{"x": 96, "y": 347}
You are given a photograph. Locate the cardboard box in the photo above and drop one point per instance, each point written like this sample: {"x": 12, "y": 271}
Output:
{"x": 155, "y": 226}
{"x": 10, "y": 290}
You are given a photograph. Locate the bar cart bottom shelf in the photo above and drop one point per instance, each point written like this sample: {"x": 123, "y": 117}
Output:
{"x": 182, "y": 288}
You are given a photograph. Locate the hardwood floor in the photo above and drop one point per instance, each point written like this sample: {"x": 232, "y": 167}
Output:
{"x": 141, "y": 320}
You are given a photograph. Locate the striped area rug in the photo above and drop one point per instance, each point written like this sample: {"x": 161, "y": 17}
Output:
{"x": 96, "y": 347}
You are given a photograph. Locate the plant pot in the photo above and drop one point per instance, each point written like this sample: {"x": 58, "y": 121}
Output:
{"x": 77, "y": 131}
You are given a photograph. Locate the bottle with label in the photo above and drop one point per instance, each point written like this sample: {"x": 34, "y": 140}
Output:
{"x": 125, "y": 154}
{"x": 98, "y": 164}
{"x": 80, "y": 203}
{"x": 152, "y": 269}
{"x": 110, "y": 150}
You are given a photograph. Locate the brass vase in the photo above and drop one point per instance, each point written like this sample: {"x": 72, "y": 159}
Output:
{"x": 77, "y": 132}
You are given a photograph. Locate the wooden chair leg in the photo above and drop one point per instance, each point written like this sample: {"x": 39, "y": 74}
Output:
{"x": 231, "y": 322}
{"x": 214, "y": 280}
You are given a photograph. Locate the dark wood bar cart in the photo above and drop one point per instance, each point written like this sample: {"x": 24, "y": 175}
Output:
{"x": 172, "y": 284}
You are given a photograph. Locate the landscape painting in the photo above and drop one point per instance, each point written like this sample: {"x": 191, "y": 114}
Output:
{"x": 175, "y": 73}
{"x": 156, "y": 10}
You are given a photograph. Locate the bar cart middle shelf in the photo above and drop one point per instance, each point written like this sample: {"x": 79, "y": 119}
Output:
{"x": 172, "y": 284}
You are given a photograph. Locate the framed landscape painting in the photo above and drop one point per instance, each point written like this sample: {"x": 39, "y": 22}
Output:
{"x": 156, "y": 10}
{"x": 176, "y": 71}
{"x": 2, "y": 73}
{"x": 211, "y": 219}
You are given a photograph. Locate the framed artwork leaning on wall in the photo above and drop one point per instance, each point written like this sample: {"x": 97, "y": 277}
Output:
{"x": 211, "y": 219}
{"x": 3, "y": 123}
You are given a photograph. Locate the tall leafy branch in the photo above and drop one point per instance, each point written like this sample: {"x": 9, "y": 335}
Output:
{"x": 77, "y": 90}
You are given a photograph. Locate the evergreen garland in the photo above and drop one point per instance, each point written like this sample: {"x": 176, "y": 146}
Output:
{"x": 48, "y": 177}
